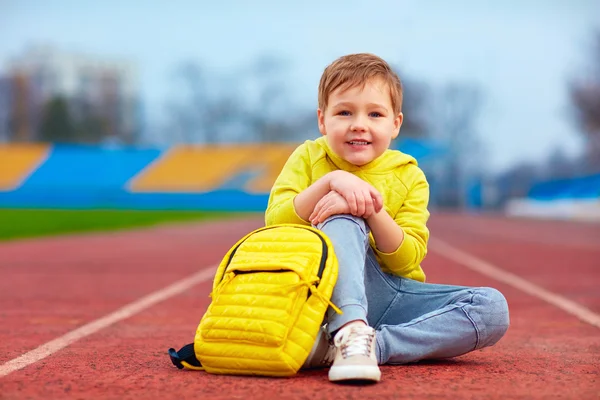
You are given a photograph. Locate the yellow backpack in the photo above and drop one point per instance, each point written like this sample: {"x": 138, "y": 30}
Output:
{"x": 269, "y": 298}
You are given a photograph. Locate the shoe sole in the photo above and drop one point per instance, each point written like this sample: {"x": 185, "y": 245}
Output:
{"x": 354, "y": 373}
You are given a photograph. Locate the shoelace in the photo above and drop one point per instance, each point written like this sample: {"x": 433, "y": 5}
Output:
{"x": 356, "y": 341}
{"x": 329, "y": 356}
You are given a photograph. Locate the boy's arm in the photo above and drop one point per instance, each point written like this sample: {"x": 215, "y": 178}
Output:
{"x": 304, "y": 198}
{"x": 387, "y": 233}
{"x": 293, "y": 179}
{"x": 305, "y": 202}
{"x": 401, "y": 242}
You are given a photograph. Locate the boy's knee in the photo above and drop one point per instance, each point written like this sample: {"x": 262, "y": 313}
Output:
{"x": 494, "y": 315}
{"x": 345, "y": 223}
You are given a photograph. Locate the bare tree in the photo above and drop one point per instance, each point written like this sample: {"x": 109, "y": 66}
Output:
{"x": 416, "y": 107}
{"x": 253, "y": 104}
{"x": 456, "y": 109}
{"x": 559, "y": 165}
{"x": 585, "y": 97}
{"x": 271, "y": 113}
{"x": 202, "y": 108}
{"x": 188, "y": 111}
{"x": 517, "y": 181}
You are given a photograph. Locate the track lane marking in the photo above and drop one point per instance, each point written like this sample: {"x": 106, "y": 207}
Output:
{"x": 90, "y": 328}
{"x": 483, "y": 267}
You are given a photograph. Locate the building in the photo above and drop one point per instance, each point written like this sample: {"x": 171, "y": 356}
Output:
{"x": 95, "y": 88}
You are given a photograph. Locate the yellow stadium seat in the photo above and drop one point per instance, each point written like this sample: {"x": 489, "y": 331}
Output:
{"x": 205, "y": 168}
{"x": 18, "y": 161}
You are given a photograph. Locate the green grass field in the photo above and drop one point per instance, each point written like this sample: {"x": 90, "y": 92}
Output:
{"x": 18, "y": 223}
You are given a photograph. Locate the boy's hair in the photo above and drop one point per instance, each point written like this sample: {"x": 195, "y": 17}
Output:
{"x": 355, "y": 70}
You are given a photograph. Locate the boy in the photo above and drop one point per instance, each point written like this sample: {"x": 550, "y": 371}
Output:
{"x": 372, "y": 203}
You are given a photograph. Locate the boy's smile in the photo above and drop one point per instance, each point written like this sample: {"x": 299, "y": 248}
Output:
{"x": 359, "y": 123}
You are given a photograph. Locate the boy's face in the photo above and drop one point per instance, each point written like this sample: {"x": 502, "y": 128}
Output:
{"x": 359, "y": 123}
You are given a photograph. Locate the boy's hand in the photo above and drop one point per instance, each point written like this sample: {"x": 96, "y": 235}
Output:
{"x": 331, "y": 204}
{"x": 362, "y": 198}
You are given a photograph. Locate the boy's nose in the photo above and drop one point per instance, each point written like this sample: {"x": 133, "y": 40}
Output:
{"x": 358, "y": 124}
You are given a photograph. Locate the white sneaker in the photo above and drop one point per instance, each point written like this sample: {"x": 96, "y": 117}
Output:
{"x": 322, "y": 352}
{"x": 355, "y": 357}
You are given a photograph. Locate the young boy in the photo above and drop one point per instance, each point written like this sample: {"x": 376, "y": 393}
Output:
{"x": 372, "y": 203}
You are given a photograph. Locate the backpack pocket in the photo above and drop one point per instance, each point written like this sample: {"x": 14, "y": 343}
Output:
{"x": 257, "y": 307}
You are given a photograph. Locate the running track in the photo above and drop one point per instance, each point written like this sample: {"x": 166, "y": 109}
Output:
{"x": 91, "y": 316}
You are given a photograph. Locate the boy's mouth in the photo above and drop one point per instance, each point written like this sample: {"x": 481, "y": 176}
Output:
{"x": 358, "y": 142}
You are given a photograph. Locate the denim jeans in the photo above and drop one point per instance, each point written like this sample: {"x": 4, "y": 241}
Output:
{"x": 414, "y": 320}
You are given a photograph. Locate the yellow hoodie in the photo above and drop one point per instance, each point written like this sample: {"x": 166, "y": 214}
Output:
{"x": 394, "y": 174}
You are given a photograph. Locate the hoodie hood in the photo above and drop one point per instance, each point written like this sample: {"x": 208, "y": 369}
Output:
{"x": 389, "y": 160}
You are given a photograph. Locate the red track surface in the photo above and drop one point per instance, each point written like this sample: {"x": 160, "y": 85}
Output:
{"x": 49, "y": 287}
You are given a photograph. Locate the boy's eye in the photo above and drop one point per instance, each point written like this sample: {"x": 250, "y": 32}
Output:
{"x": 376, "y": 114}
{"x": 344, "y": 113}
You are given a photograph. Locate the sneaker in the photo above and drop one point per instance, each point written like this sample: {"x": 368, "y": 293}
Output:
{"x": 355, "y": 357}
{"x": 322, "y": 353}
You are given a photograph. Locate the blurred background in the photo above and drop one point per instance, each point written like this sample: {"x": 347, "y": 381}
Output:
{"x": 194, "y": 106}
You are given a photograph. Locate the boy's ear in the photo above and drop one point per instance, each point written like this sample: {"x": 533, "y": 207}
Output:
{"x": 321, "y": 121}
{"x": 397, "y": 124}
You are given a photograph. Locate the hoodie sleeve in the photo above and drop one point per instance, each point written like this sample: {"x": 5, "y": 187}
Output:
{"x": 412, "y": 217}
{"x": 294, "y": 177}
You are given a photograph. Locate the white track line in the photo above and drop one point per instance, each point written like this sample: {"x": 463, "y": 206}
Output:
{"x": 452, "y": 253}
{"x": 127, "y": 311}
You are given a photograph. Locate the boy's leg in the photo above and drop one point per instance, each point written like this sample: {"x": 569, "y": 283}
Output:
{"x": 417, "y": 321}
{"x": 355, "y": 354}
{"x": 349, "y": 236}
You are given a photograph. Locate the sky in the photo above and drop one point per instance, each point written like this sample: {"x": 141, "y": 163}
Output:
{"x": 519, "y": 53}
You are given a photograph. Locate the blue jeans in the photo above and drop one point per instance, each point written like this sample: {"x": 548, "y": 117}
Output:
{"x": 414, "y": 320}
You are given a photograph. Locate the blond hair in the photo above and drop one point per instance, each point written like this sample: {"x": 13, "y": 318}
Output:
{"x": 355, "y": 70}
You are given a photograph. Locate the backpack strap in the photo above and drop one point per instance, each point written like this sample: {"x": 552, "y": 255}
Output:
{"x": 185, "y": 358}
